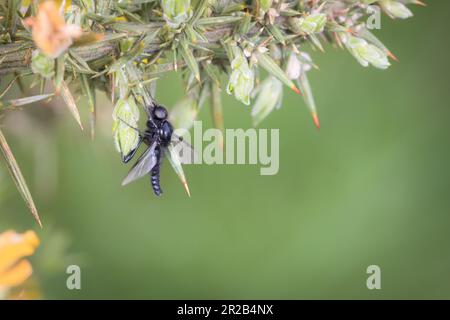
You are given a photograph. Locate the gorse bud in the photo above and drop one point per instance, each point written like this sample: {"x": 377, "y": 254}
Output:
{"x": 293, "y": 68}
{"x": 125, "y": 116}
{"x": 42, "y": 64}
{"x": 396, "y": 9}
{"x": 298, "y": 64}
{"x": 242, "y": 77}
{"x": 176, "y": 12}
{"x": 365, "y": 52}
{"x": 270, "y": 96}
{"x": 310, "y": 24}
{"x": 184, "y": 113}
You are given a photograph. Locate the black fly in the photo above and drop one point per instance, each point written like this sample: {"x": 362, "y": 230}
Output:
{"x": 157, "y": 137}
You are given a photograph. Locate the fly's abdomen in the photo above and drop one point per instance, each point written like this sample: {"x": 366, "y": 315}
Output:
{"x": 154, "y": 178}
{"x": 155, "y": 173}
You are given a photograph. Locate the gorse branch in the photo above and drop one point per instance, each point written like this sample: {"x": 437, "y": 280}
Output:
{"x": 121, "y": 47}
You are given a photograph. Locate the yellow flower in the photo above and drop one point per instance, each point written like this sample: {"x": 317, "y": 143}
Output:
{"x": 14, "y": 269}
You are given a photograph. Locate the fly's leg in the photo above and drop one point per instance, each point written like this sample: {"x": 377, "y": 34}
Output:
{"x": 127, "y": 157}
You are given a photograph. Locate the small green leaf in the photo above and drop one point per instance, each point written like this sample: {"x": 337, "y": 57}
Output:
{"x": 9, "y": 86}
{"x": 42, "y": 85}
{"x": 25, "y": 101}
{"x": 59, "y": 71}
{"x": 132, "y": 54}
{"x": 141, "y": 90}
{"x": 233, "y": 7}
{"x": 134, "y": 28}
{"x": 289, "y": 12}
{"x": 194, "y": 35}
{"x": 316, "y": 42}
{"x": 42, "y": 64}
{"x": 308, "y": 97}
{"x": 244, "y": 24}
{"x": 184, "y": 112}
{"x": 80, "y": 61}
{"x": 213, "y": 21}
{"x": 89, "y": 92}
{"x": 217, "y": 110}
{"x": 313, "y": 23}
{"x": 212, "y": 71}
{"x": 70, "y": 103}
{"x": 12, "y": 7}
{"x": 189, "y": 58}
{"x": 267, "y": 63}
{"x": 276, "y": 33}
{"x": 201, "y": 7}
{"x": 176, "y": 165}
{"x": 176, "y": 12}
{"x": 270, "y": 95}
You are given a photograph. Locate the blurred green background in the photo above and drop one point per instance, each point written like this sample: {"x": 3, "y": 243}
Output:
{"x": 372, "y": 187}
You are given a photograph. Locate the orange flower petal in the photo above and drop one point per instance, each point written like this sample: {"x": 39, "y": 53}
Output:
{"x": 50, "y": 33}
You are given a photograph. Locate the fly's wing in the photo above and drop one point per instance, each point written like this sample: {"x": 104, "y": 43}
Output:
{"x": 144, "y": 165}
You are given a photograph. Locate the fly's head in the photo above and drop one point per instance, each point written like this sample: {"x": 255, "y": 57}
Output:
{"x": 160, "y": 113}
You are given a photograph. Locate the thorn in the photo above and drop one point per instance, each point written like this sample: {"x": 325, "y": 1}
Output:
{"x": 351, "y": 31}
{"x": 338, "y": 40}
{"x": 296, "y": 90}
{"x": 316, "y": 120}
{"x": 420, "y": 3}
{"x": 186, "y": 187}
{"x": 392, "y": 56}
{"x": 36, "y": 217}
